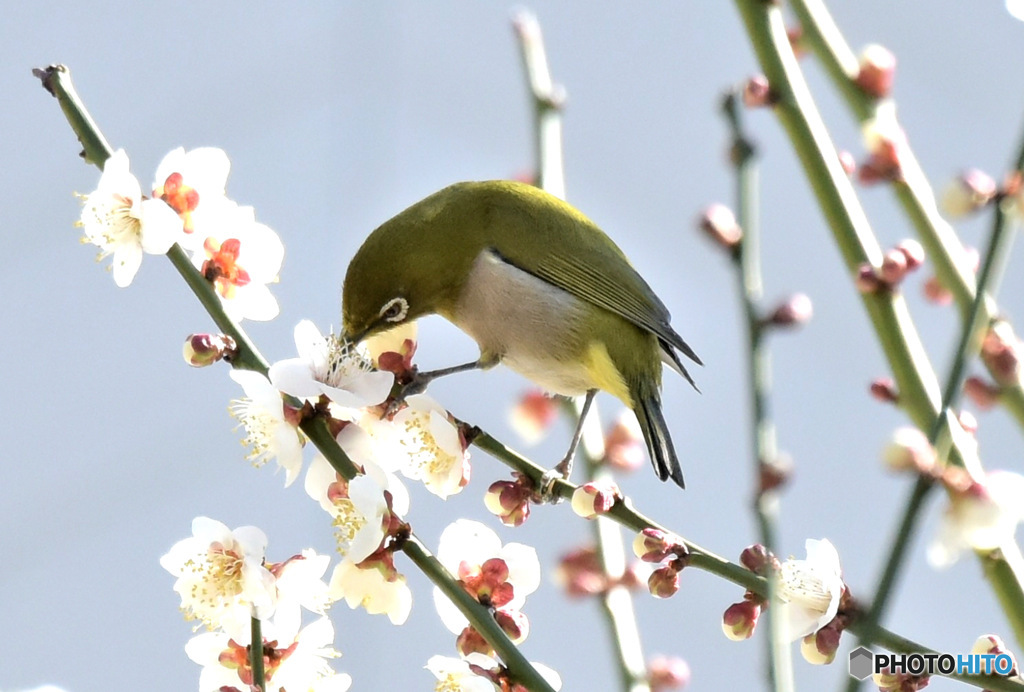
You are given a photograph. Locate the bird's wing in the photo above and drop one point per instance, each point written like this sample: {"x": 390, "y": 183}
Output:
{"x": 618, "y": 288}
{"x": 546, "y": 237}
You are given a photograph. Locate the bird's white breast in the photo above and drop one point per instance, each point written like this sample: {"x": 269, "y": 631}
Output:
{"x": 533, "y": 326}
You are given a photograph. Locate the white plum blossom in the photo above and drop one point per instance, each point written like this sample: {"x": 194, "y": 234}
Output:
{"x": 984, "y": 517}
{"x": 329, "y": 367}
{"x": 300, "y": 584}
{"x": 464, "y": 548}
{"x": 373, "y": 584}
{"x": 240, "y": 259}
{"x": 269, "y": 433}
{"x": 220, "y": 574}
{"x": 359, "y": 508}
{"x": 193, "y": 184}
{"x": 297, "y": 661}
{"x": 458, "y": 674}
{"x": 426, "y": 445}
{"x": 809, "y": 590}
{"x": 123, "y": 224}
{"x": 455, "y": 674}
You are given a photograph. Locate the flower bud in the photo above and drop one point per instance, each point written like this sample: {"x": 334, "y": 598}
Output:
{"x": 867, "y": 280}
{"x": 624, "y": 444}
{"x": 654, "y": 545}
{"x": 667, "y": 673}
{"x": 982, "y": 393}
{"x": 877, "y": 70}
{"x": 509, "y": 501}
{"x": 936, "y": 293}
{"x": 580, "y": 573}
{"x": 392, "y": 350}
{"x": 884, "y": 390}
{"x": 795, "y": 34}
{"x": 759, "y": 560}
{"x": 913, "y": 252}
{"x": 1000, "y": 351}
{"x": 719, "y": 223}
{"x": 740, "y": 620}
{"x": 592, "y": 499}
{"x": 967, "y": 193}
{"x": 664, "y": 581}
{"x": 756, "y": 92}
{"x": 819, "y": 648}
{"x": 909, "y": 450}
{"x": 795, "y": 311}
{"x": 774, "y": 473}
{"x": 993, "y": 644}
{"x": 885, "y": 142}
{"x": 894, "y": 267}
{"x": 201, "y": 350}
{"x": 533, "y": 415}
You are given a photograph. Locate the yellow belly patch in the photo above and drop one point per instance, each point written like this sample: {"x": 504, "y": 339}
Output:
{"x": 604, "y": 373}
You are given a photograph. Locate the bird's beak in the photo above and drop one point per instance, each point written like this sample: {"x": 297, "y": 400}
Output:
{"x": 354, "y": 338}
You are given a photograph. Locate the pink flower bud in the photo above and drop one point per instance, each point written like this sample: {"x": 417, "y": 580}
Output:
{"x": 884, "y": 389}
{"x": 1001, "y": 352}
{"x": 899, "y": 682}
{"x": 993, "y": 644}
{"x": 667, "y": 673}
{"x": 740, "y": 620}
{"x": 877, "y": 71}
{"x": 867, "y": 280}
{"x": 967, "y": 193}
{"x": 936, "y": 293}
{"x": 201, "y": 350}
{"x": 795, "y": 311}
{"x": 894, "y": 267}
{"x": 509, "y": 501}
{"x": 719, "y": 223}
{"x": 909, "y": 450}
{"x": 664, "y": 581}
{"x": 982, "y": 393}
{"x": 654, "y": 545}
{"x": 533, "y": 415}
{"x": 580, "y": 573}
{"x": 624, "y": 444}
{"x": 913, "y": 251}
{"x": 595, "y": 498}
{"x": 759, "y": 560}
{"x": 819, "y": 648}
{"x": 756, "y": 92}
{"x": 795, "y": 34}
{"x": 774, "y": 473}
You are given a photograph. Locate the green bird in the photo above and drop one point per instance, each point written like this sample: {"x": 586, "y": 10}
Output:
{"x": 537, "y": 285}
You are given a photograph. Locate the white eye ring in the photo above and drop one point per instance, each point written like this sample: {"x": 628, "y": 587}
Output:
{"x": 395, "y": 310}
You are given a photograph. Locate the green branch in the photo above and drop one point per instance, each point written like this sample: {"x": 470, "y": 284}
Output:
{"x": 57, "y": 80}
{"x": 914, "y": 192}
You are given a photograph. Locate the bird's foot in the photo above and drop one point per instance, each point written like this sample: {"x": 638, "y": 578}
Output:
{"x": 546, "y": 486}
{"x": 416, "y": 385}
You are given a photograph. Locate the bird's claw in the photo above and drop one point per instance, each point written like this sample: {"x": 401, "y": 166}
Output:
{"x": 416, "y": 385}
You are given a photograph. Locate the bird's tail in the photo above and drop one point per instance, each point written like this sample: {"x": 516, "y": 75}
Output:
{"x": 659, "y": 443}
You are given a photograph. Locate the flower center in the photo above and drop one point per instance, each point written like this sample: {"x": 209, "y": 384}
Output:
{"x": 180, "y": 197}
{"x": 222, "y": 268}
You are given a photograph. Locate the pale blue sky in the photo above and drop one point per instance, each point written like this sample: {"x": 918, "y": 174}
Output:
{"x": 337, "y": 116}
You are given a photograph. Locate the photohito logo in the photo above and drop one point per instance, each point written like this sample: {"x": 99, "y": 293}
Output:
{"x": 864, "y": 662}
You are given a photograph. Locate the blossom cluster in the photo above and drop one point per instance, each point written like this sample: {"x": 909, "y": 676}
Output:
{"x": 187, "y": 206}
{"x": 225, "y": 581}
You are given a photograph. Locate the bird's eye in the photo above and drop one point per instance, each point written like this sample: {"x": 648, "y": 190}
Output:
{"x": 395, "y": 310}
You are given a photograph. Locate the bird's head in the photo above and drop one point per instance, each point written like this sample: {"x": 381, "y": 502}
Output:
{"x": 412, "y": 265}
